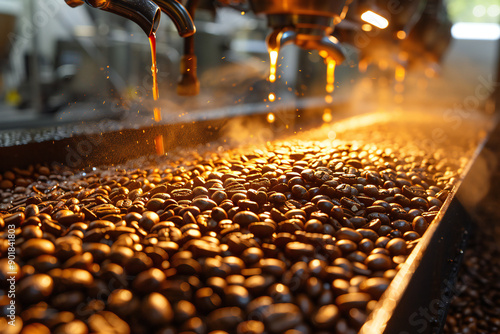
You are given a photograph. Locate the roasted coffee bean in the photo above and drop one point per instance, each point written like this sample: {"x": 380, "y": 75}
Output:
{"x": 258, "y": 284}
{"x": 236, "y": 295}
{"x": 207, "y": 300}
{"x": 346, "y": 246}
{"x": 149, "y": 281}
{"x": 297, "y": 250}
{"x": 397, "y": 246}
{"x": 326, "y": 317}
{"x": 140, "y": 262}
{"x": 36, "y": 247}
{"x": 156, "y": 309}
{"x": 272, "y": 266}
{"x": 14, "y": 219}
{"x": 378, "y": 262}
{"x": 279, "y": 318}
{"x": 148, "y": 220}
{"x": 348, "y": 234}
{"x": 226, "y": 319}
{"x": 35, "y": 288}
{"x": 420, "y": 225}
{"x": 252, "y": 255}
{"x": 375, "y": 286}
{"x": 107, "y": 322}
{"x": 122, "y": 302}
{"x": 349, "y": 301}
{"x": 251, "y": 327}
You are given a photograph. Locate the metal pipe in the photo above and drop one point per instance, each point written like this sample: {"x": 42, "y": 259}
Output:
{"x": 145, "y": 13}
{"x": 188, "y": 84}
{"x": 179, "y": 15}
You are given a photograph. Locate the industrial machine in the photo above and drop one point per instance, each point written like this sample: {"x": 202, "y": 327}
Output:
{"x": 287, "y": 166}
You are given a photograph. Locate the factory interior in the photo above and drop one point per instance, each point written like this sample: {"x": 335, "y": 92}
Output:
{"x": 249, "y": 166}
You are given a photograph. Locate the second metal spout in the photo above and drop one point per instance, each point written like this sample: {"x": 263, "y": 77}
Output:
{"x": 308, "y": 39}
{"x": 179, "y": 15}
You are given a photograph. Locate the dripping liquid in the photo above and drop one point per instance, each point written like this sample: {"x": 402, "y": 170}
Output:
{"x": 154, "y": 68}
{"x": 273, "y": 56}
{"x": 330, "y": 79}
{"x": 160, "y": 150}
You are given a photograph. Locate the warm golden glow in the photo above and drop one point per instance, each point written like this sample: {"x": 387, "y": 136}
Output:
{"x": 375, "y": 19}
{"x": 328, "y": 98}
{"x": 366, "y": 27}
{"x": 383, "y": 64}
{"x": 330, "y": 75}
{"x": 403, "y": 56}
{"x": 401, "y": 34}
{"x": 160, "y": 150}
{"x": 157, "y": 114}
{"x": 363, "y": 66}
{"x": 323, "y": 53}
{"x": 399, "y": 75}
{"x": 272, "y": 97}
{"x": 429, "y": 72}
{"x": 399, "y": 87}
{"x": 271, "y": 118}
{"x": 327, "y": 116}
{"x": 273, "y": 56}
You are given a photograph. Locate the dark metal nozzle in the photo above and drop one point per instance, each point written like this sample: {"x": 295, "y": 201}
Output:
{"x": 308, "y": 39}
{"x": 179, "y": 15}
{"x": 143, "y": 12}
{"x": 329, "y": 44}
{"x": 188, "y": 84}
{"x": 279, "y": 38}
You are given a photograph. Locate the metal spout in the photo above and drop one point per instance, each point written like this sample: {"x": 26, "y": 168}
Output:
{"x": 279, "y": 38}
{"x": 143, "y": 12}
{"x": 308, "y": 39}
{"x": 179, "y": 15}
{"x": 328, "y": 44}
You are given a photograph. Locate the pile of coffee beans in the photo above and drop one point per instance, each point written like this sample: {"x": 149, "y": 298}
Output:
{"x": 475, "y": 307}
{"x": 293, "y": 237}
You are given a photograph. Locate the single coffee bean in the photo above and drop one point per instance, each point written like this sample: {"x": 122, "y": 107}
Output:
{"x": 35, "y": 288}
{"x": 156, "y": 309}
{"x": 236, "y": 295}
{"x": 279, "y": 318}
{"x": 326, "y": 317}
{"x": 226, "y": 319}
{"x": 397, "y": 246}
{"x": 107, "y": 322}
{"x": 349, "y": 301}
{"x": 378, "y": 262}
{"x": 36, "y": 247}
{"x": 250, "y": 327}
{"x": 375, "y": 286}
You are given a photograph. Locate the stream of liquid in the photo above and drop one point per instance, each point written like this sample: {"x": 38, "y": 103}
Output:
{"x": 330, "y": 75}
{"x": 330, "y": 79}
{"x": 160, "y": 150}
{"x": 273, "y": 57}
